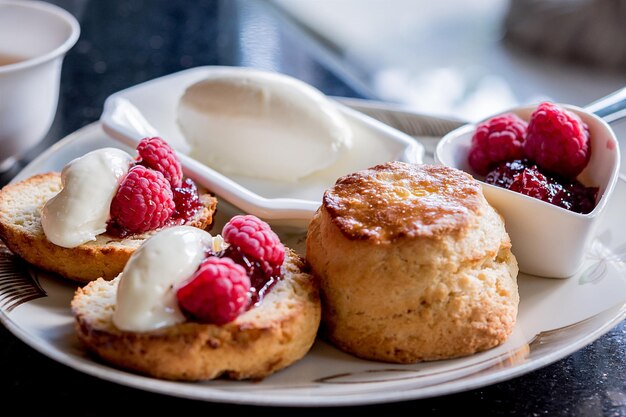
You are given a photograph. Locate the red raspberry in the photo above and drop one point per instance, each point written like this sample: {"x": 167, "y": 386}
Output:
{"x": 144, "y": 201}
{"x": 558, "y": 141}
{"x": 217, "y": 293}
{"x": 255, "y": 239}
{"x": 496, "y": 140}
{"x": 157, "y": 154}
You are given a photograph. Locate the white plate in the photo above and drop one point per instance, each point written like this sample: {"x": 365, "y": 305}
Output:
{"x": 556, "y": 318}
{"x": 150, "y": 108}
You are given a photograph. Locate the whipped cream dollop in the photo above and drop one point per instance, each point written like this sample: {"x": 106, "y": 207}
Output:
{"x": 263, "y": 125}
{"x": 146, "y": 295}
{"x": 80, "y": 211}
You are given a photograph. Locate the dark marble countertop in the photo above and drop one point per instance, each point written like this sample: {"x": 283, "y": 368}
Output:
{"x": 126, "y": 42}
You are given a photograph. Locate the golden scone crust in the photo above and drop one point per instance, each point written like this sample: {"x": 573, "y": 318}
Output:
{"x": 396, "y": 200}
{"x": 20, "y": 229}
{"x": 261, "y": 341}
{"x": 414, "y": 265}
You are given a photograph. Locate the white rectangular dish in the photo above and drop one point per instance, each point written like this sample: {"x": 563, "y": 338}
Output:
{"x": 150, "y": 108}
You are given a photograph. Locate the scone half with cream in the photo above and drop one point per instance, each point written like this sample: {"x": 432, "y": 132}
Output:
{"x": 190, "y": 306}
{"x": 414, "y": 265}
{"x": 85, "y": 222}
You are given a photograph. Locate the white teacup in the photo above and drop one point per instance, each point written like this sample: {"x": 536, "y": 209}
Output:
{"x": 34, "y": 37}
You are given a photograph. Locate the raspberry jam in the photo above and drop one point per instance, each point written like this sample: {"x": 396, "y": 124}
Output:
{"x": 115, "y": 230}
{"x": 525, "y": 177}
{"x": 187, "y": 201}
{"x": 262, "y": 276}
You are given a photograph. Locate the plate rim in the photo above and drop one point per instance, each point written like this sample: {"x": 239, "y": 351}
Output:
{"x": 171, "y": 388}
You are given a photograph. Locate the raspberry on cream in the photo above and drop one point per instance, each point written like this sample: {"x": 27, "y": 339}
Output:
{"x": 146, "y": 296}
{"x": 157, "y": 154}
{"x": 144, "y": 201}
{"x": 217, "y": 293}
{"x": 185, "y": 273}
{"x": 263, "y": 125}
{"x": 81, "y": 210}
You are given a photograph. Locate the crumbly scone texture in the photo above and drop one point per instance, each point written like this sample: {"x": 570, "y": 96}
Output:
{"x": 263, "y": 340}
{"x": 20, "y": 229}
{"x": 426, "y": 274}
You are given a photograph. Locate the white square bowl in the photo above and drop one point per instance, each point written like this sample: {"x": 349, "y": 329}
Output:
{"x": 547, "y": 240}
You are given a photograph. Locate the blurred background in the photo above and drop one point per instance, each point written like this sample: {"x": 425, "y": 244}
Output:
{"x": 471, "y": 58}
{"x": 461, "y": 59}
{"x": 458, "y": 58}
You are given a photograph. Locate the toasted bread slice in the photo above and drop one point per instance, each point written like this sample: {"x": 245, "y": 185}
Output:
{"x": 261, "y": 341}
{"x": 21, "y": 230}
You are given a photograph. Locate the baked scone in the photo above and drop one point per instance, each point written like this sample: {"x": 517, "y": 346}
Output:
{"x": 262, "y": 340}
{"x": 414, "y": 264}
{"x": 21, "y": 230}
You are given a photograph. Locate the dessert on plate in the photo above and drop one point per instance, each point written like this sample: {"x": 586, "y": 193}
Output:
{"x": 85, "y": 222}
{"x": 191, "y": 306}
{"x": 414, "y": 264}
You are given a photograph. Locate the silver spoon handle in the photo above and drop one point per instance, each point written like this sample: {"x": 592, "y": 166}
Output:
{"x": 611, "y": 108}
